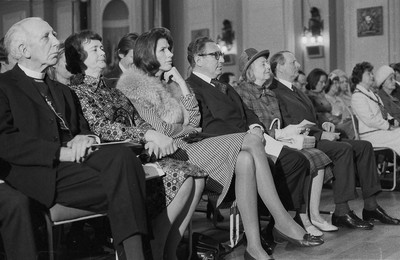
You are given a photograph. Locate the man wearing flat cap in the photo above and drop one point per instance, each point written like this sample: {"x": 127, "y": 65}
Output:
{"x": 223, "y": 112}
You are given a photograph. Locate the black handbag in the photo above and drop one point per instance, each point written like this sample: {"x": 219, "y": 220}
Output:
{"x": 205, "y": 247}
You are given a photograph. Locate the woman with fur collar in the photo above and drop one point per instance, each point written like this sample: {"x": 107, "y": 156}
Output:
{"x": 173, "y": 110}
{"x": 112, "y": 117}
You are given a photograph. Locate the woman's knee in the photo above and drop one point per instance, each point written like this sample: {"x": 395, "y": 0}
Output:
{"x": 252, "y": 141}
{"x": 244, "y": 161}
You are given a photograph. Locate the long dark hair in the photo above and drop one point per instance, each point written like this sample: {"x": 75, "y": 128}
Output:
{"x": 144, "y": 53}
{"x": 313, "y": 78}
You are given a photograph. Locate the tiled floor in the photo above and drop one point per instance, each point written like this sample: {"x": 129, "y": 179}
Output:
{"x": 383, "y": 242}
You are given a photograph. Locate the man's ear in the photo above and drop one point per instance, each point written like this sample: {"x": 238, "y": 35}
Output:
{"x": 121, "y": 56}
{"x": 198, "y": 60}
{"x": 24, "y": 50}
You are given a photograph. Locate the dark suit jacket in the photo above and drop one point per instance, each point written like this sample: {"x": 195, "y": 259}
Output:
{"x": 111, "y": 78}
{"x": 29, "y": 135}
{"x": 295, "y": 107}
{"x": 116, "y": 72}
{"x": 221, "y": 113}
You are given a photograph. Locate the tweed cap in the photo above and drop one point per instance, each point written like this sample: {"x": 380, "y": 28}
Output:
{"x": 248, "y": 56}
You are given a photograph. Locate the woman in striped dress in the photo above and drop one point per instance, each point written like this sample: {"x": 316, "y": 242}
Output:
{"x": 173, "y": 110}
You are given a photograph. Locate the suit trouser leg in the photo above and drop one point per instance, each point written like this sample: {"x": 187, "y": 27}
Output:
{"x": 366, "y": 167}
{"x": 110, "y": 179}
{"x": 341, "y": 154}
{"x": 294, "y": 168}
{"x": 16, "y": 224}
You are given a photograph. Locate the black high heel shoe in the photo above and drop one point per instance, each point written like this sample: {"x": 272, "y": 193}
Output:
{"x": 211, "y": 210}
{"x": 307, "y": 241}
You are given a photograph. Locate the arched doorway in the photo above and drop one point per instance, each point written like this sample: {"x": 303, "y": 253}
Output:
{"x": 115, "y": 25}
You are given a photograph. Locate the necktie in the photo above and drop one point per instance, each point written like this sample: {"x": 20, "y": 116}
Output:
{"x": 219, "y": 85}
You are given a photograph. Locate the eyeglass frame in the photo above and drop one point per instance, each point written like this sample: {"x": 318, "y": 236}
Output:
{"x": 217, "y": 54}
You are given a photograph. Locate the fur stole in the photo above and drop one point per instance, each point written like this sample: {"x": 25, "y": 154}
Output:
{"x": 147, "y": 92}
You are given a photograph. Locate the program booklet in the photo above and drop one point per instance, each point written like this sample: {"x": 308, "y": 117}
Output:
{"x": 153, "y": 170}
{"x": 127, "y": 142}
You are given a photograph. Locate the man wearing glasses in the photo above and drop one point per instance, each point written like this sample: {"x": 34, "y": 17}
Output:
{"x": 223, "y": 112}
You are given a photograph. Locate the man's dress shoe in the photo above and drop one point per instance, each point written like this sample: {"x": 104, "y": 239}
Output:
{"x": 351, "y": 220}
{"x": 380, "y": 215}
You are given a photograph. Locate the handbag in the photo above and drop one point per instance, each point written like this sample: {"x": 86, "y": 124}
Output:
{"x": 204, "y": 247}
{"x": 298, "y": 141}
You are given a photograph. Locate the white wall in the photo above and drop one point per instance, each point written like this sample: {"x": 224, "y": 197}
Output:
{"x": 374, "y": 49}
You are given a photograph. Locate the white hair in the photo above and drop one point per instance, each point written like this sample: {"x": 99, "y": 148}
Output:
{"x": 16, "y": 36}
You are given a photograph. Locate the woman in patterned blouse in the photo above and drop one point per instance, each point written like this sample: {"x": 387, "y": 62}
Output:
{"x": 172, "y": 199}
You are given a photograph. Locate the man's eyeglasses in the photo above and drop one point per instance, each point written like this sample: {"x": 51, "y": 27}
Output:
{"x": 216, "y": 54}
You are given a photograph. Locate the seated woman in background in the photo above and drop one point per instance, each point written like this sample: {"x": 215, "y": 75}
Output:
{"x": 173, "y": 110}
{"x": 386, "y": 83}
{"x": 344, "y": 87}
{"x": 339, "y": 107}
{"x": 316, "y": 84}
{"x": 253, "y": 88}
{"x": 172, "y": 199}
{"x": 375, "y": 124}
{"x": 59, "y": 72}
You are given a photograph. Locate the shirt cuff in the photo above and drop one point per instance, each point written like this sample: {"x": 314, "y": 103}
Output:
{"x": 256, "y": 125}
{"x": 96, "y": 138}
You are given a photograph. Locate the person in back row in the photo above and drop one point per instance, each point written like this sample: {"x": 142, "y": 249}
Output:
{"x": 351, "y": 158}
{"x": 163, "y": 99}
{"x": 375, "y": 124}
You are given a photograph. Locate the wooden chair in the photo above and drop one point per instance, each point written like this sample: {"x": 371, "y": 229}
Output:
{"x": 378, "y": 149}
{"x": 59, "y": 215}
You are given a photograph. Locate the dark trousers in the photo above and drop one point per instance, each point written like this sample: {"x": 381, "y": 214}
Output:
{"x": 112, "y": 180}
{"x": 292, "y": 178}
{"x": 16, "y": 224}
{"x": 351, "y": 159}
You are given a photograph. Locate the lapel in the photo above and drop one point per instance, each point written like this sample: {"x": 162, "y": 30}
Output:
{"x": 298, "y": 98}
{"x": 57, "y": 94}
{"x": 25, "y": 84}
{"x": 219, "y": 98}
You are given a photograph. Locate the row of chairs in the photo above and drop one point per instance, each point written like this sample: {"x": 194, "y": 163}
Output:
{"x": 59, "y": 215}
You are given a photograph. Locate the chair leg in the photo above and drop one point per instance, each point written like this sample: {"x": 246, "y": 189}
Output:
{"x": 394, "y": 173}
{"x": 50, "y": 244}
{"x": 190, "y": 239}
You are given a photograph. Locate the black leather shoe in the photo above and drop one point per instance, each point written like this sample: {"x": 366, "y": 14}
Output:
{"x": 380, "y": 215}
{"x": 351, "y": 220}
{"x": 307, "y": 241}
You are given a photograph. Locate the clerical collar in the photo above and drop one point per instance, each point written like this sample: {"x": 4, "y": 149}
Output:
{"x": 32, "y": 74}
{"x": 203, "y": 77}
{"x": 286, "y": 83}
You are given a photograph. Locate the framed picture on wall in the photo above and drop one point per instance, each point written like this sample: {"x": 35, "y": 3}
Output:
{"x": 370, "y": 21}
{"x": 200, "y": 33}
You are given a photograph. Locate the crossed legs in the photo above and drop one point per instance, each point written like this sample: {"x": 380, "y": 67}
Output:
{"x": 253, "y": 174}
{"x": 172, "y": 222}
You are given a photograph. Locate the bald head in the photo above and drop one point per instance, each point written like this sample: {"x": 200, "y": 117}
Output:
{"x": 33, "y": 43}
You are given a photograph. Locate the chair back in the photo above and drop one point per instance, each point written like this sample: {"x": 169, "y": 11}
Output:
{"x": 354, "y": 122}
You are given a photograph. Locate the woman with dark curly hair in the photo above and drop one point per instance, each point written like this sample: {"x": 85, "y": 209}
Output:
{"x": 171, "y": 200}
{"x": 375, "y": 124}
